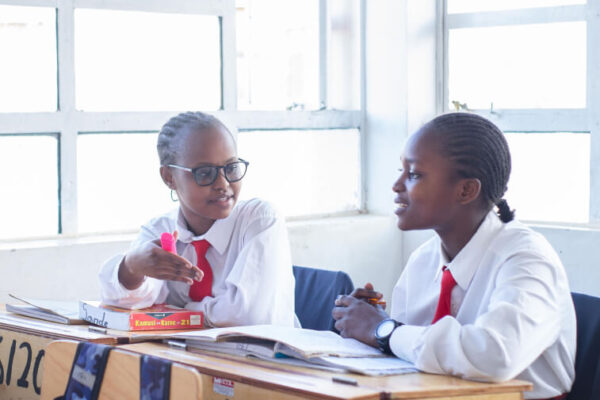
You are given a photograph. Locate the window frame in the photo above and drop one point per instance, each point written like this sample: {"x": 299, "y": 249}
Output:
{"x": 69, "y": 123}
{"x": 536, "y": 120}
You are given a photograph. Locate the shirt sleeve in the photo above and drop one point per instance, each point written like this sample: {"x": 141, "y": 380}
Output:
{"x": 113, "y": 293}
{"x": 521, "y": 320}
{"x": 260, "y": 287}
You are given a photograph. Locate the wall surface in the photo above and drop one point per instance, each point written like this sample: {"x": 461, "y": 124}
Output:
{"x": 577, "y": 248}
{"x": 366, "y": 247}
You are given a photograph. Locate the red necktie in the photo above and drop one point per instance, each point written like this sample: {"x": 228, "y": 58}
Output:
{"x": 203, "y": 288}
{"x": 443, "y": 307}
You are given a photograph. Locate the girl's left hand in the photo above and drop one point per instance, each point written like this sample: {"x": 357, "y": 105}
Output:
{"x": 357, "y": 319}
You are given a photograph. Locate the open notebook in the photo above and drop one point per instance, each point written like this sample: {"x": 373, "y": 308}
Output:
{"x": 311, "y": 347}
{"x": 63, "y": 312}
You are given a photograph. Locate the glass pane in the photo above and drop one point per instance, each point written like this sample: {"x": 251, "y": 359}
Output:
{"x": 28, "y": 68}
{"x": 525, "y": 66}
{"x": 343, "y": 78}
{"x": 278, "y": 54}
{"x": 553, "y": 184}
{"x": 303, "y": 172}
{"x": 119, "y": 182}
{"x": 465, "y": 6}
{"x": 29, "y": 192}
{"x": 146, "y": 61}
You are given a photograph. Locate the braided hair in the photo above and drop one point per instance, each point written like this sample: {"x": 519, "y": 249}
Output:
{"x": 170, "y": 135}
{"x": 479, "y": 150}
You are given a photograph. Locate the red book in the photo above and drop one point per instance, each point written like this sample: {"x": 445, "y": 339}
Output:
{"x": 157, "y": 317}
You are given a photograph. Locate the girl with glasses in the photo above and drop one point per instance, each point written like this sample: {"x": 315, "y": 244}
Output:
{"x": 486, "y": 298}
{"x": 231, "y": 258}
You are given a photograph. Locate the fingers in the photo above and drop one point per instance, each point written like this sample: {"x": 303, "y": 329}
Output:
{"x": 344, "y": 301}
{"x": 365, "y": 293}
{"x": 169, "y": 266}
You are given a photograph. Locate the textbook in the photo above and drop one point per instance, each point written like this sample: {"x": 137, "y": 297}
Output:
{"x": 313, "y": 348}
{"x": 157, "y": 317}
{"x": 63, "y": 312}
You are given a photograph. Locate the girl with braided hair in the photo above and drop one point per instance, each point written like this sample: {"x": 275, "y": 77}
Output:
{"x": 232, "y": 258}
{"x": 486, "y": 298}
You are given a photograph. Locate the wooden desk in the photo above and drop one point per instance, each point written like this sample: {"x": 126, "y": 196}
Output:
{"x": 251, "y": 379}
{"x": 22, "y": 344}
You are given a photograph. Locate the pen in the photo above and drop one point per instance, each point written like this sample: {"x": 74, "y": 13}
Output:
{"x": 345, "y": 380}
{"x": 375, "y": 301}
{"x": 96, "y": 329}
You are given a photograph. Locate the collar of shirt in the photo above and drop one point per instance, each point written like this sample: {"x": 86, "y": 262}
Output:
{"x": 218, "y": 235}
{"x": 466, "y": 262}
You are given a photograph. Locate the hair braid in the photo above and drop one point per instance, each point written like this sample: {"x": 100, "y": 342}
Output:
{"x": 479, "y": 150}
{"x": 169, "y": 143}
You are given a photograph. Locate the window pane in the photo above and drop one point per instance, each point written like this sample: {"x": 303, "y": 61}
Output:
{"x": 29, "y": 191}
{"x": 28, "y": 67}
{"x": 303, "y": 172}
{"x": 465, "y": 6}
{"x": 526, "y": 66}
{"x": 278, "y": 54}
{"x": 119, "y": 184}
{"x": 146, "y": 61}
{"x": 553, "y": 184}
{"x": 343, "y": 78}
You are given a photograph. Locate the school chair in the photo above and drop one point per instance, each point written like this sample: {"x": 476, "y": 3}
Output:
{"x": 316, "y": 290}
{"x": 587, "y": 359}
{"x": 121, "y": 375}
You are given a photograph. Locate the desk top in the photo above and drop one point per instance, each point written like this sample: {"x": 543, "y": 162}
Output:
{"x": 308, "y": 382}
{"x": 53, "y": 330}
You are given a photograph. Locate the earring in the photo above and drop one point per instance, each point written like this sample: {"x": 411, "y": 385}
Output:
{"x": 173, "y": 198}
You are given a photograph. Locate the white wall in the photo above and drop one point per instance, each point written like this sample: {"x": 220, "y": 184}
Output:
{"x": 577, "y": 248}
{"x": 365, "y": 246}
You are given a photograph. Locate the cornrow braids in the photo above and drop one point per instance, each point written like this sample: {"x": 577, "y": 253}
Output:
{"x": 479, "y": 150}
{"x": 171, "y": 133}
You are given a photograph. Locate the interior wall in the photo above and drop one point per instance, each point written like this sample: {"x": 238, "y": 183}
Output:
{"x": 577, "y": 248}
{"x": 367, "y": 247}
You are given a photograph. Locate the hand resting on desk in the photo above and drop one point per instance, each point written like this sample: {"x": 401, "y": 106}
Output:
{"x": 357, "y": 319}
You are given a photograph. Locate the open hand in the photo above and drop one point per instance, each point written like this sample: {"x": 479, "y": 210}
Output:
{"x": 151, "y": 260}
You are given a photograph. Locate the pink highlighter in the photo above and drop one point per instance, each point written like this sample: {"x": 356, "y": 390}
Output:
{"x": 167, "y": 242}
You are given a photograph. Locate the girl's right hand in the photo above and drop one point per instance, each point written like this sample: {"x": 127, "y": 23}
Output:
{"x": 369, "y": 295}
{"x": 151, "y": 260}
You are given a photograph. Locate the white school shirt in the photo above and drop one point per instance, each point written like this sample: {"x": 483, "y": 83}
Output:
{"x": 512, "y": 312}
{"x": 250, "y": 258}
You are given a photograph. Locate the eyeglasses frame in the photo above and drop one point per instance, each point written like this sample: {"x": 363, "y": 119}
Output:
{"x": 218, "y": 167}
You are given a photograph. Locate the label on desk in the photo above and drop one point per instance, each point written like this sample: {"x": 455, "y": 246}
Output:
{"x": 223, "y": 386}
{"x": 21, "y": 359}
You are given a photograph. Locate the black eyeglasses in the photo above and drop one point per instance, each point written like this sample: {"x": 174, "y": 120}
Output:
{"x": 207, "y": 175}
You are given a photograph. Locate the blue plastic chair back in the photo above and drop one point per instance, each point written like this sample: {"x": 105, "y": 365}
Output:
{"x": 587, "y": 359}
{"x": 316, "y": 290}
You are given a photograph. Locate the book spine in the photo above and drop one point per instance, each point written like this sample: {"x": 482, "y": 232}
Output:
{"x": 152, "y": 321}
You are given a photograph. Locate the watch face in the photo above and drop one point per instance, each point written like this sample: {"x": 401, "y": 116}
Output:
{"x": 385, "y": 328}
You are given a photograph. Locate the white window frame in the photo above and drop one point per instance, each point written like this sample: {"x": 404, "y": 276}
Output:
{"x": 67, "y": 122}
{"x": 537, "y": 120}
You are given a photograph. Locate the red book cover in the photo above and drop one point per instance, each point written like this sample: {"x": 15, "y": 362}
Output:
{"x": 157, "y": 317}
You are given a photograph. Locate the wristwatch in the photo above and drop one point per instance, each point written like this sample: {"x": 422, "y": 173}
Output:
{"x": 383, "y": 333}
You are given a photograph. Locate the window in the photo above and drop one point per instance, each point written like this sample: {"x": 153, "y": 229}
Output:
{"x": 529, "y": 67}
{"x": 81, "y": 108}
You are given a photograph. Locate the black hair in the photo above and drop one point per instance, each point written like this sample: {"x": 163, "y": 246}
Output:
{"x": 171, "y": 133}
{"x": 479, "y": 150}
